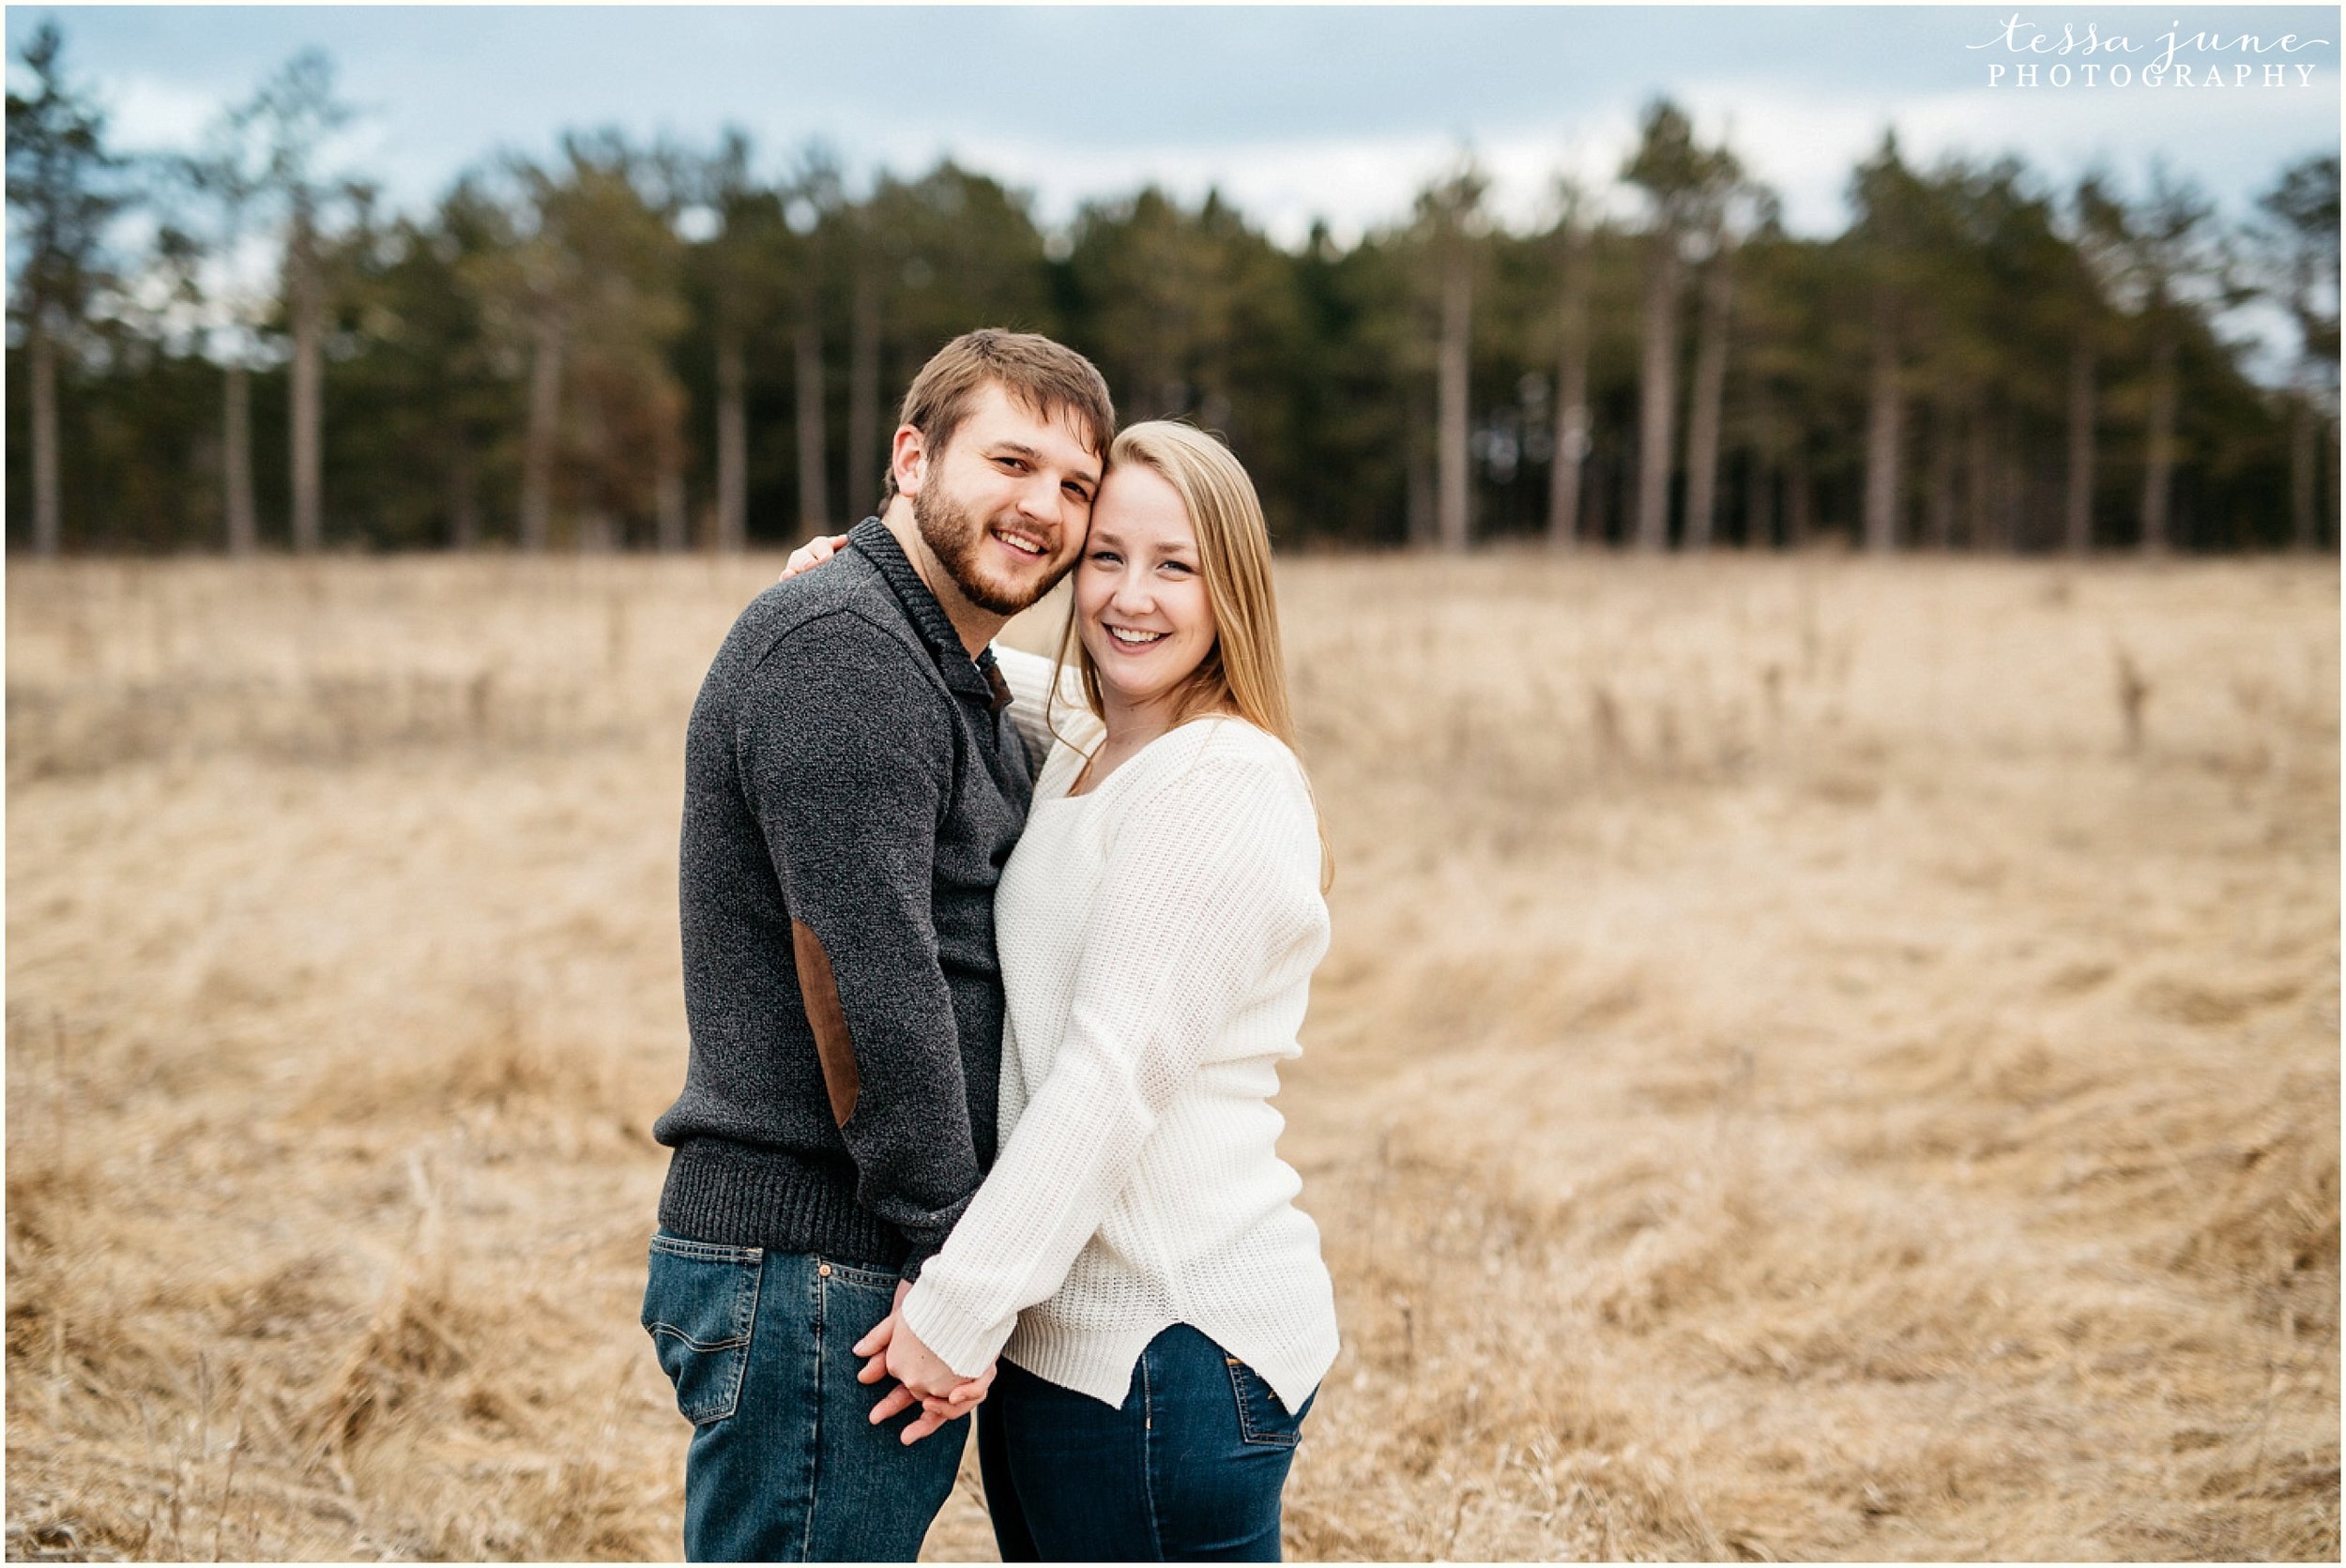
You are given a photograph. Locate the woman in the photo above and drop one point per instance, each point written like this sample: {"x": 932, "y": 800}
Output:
{"x": 1159, "y": 1305}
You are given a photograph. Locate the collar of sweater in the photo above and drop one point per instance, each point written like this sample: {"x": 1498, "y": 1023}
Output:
{"x": 973, "y": 677}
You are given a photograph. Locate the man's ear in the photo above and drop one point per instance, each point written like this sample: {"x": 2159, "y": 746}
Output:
{"x": 907, "y": 459}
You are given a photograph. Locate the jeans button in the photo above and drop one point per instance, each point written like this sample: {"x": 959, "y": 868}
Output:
{"x": 823, "y": 1269}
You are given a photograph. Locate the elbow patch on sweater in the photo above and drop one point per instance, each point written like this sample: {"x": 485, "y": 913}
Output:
{"x": 833, "y": 1045}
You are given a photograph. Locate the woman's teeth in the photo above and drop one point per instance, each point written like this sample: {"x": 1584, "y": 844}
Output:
{"x": 1121, "y": 635}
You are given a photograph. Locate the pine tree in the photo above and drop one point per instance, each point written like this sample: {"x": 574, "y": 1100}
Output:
{"x": 62, "y": 184}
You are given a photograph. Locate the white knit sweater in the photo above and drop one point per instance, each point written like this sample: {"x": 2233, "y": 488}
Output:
{"x": 1157, "y": 937}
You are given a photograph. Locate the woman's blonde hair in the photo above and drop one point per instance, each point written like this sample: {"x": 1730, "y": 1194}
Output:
{"x": 1244, "y": 671}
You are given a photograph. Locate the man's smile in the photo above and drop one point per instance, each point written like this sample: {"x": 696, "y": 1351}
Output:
{"x": 1025, "y": 543}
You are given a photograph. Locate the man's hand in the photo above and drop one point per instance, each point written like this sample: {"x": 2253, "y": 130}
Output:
{"x": 813, "y": 553}
{"x": 924, "y": 1379}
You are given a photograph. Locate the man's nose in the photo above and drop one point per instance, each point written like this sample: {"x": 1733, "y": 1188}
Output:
{"x": 1041, "y": 500}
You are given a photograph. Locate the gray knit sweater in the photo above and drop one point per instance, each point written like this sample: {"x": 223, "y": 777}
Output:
{"x": 853, "y": 786}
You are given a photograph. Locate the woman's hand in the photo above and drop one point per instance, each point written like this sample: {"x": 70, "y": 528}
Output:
{"x": 935, "y": 1412}
{"x": 922, "y": 1366}
{"x": 813, "y": 553}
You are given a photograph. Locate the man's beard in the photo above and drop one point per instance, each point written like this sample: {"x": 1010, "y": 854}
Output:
{"x": 956, "y": 537}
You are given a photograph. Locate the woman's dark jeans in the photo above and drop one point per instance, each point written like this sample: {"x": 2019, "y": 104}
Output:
{"x": 1188, "y": 1470}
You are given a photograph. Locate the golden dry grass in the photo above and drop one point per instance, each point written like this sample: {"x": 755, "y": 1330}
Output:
{"x": 1820, "y": 1060}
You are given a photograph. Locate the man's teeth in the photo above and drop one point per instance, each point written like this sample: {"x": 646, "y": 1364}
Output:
{"x": 1021, "y": 543}
{"x": 1121, "y": 635}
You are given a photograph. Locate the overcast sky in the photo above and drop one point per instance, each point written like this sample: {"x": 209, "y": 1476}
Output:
{"x": 1339, "y": 112}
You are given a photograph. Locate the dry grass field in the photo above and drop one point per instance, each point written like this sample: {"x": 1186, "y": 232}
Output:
{"x": 1820, "y": 1058}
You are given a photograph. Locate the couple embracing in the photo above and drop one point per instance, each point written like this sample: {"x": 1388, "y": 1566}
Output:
{"x": 989, "y": 963}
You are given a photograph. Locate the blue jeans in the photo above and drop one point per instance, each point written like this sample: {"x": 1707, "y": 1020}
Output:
{"x": 786, "y": 1465}
{"x": 1188, "y": 1470}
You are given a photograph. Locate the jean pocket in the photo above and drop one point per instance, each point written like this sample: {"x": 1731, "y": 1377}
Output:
{"x": 700, "y": 1304}
{"x": 850, "y": 1273}
{"x": 1261, "y": 1417}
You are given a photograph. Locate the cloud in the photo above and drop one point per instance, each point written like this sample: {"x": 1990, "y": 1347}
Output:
{"x": 1339, "y": 113}
{"x": 152, "y": 114}
{"x": 1806, "y": 145}
{"x": 1353, "y": 183}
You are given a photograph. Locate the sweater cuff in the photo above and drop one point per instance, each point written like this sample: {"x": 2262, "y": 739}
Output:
{"x": 965, "y": 1344}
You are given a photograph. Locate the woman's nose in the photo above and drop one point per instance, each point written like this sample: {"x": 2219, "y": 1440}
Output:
{"x": 1131, "y": 593}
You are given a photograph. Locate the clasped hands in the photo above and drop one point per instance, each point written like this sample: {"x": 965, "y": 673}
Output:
{"x": 923, "y": 1379}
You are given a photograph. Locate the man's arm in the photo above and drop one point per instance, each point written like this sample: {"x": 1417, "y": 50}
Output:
{"x": 845, "y": 756}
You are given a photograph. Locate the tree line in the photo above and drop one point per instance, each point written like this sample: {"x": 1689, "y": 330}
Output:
{"x": 657, "y": 346}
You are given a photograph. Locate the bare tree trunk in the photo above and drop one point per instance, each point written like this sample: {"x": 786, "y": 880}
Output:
{"x": 307, "y": 374}
{"x": 733, "y": 448}
{"x": 1760, "y": 503}
{"x": 1453, "y": 489}
{"x": 545, "y": 411}
{"x": 244, "y": 532}
{"x": 2330, "y": 512}
{"x": 1710, "y": 395}
{"x": 2301, "y": 472}
{"x": 463, "y": 497}
{"x": 1418, "y": 473}
{"x": 1976, "y": 475}
{"x": 866, "y": 465}
{"x": 2018, "y": 490}
{"x": 814, "y": 496}
{"x": 1658, "y": 396}
{"x": 1760, "y": 506}
{"x": 1800, "y": 520}
{"x": 1572, "y": 457}
{"x": 2158, "y": 468}
{"x": 1884, "y": 428}
{"x": 670, "y": 523}
{"x": 1592, "y": 526}
{"x": 48, "y": 486}
{"x": 1945, "y": 464}
{"x": 2002, "y": 498}
{"x": 2076, "y": 533}
{"x": 1572, "y": 395}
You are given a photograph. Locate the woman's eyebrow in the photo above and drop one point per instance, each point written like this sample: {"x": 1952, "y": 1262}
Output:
{"x": 1108, "y": 538}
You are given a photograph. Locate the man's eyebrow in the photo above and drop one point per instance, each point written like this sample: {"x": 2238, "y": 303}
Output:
{"x": 1020, "y": 448}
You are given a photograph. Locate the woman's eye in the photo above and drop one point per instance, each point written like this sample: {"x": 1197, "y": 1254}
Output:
{"x": 1102, "y": 557}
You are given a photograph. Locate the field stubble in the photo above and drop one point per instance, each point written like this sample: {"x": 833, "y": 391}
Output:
{"x": 1819, "y": 1059}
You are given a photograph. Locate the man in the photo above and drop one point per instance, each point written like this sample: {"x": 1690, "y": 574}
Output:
{"x": 853, "y": 786}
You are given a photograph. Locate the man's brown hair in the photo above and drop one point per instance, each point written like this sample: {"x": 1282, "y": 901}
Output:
{"x": 1050, "y": 379}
